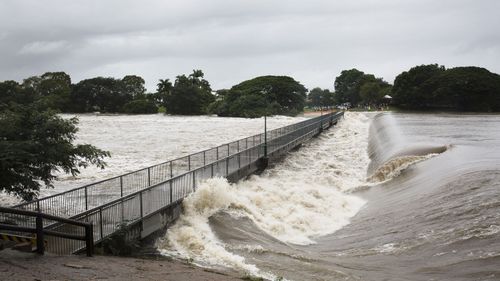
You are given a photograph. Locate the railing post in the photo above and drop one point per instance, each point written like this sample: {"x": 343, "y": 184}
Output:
{"x": 121, "y": 186}
{"x": 204, "y": 158}
{"x": 149, "y": 176}
{"x": 101, "y": 231}
{"x": 171, "y": 192}
{"x": 227, "y": 166}
{"x": 171, "y": 170}
{"x": 228, "y": 150}
{"x": 194, "y": 181}
{"x": 38, "y": 206}
{"x": 217, "y": 150}
{"x": 212, "y": 170}
{"x": 189, "y": 162}
{"x": 122, "y": 203}
{"x": 265, "y": 136}
{"x": 140, "y": 205}
{"x": 40, "y": 246}
{"x": 89, "y": 239}
{"x": 86, "y": 199}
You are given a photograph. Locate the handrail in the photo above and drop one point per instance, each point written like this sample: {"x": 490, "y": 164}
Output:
{"x": 275, "y": 133}
{"x": 41, "y": 232}
{"x": 131, "y": 195}
{"x": 133, "y": 207}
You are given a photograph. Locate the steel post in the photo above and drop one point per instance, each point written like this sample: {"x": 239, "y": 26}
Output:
{"x": 40, "y": 246}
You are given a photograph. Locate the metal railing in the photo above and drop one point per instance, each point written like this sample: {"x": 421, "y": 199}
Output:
{"x": 150, "y": 195}
{"x": 69, "y": 232}
{"x": 75, "y": 201}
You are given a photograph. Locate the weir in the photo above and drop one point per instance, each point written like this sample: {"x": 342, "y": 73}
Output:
{"x": 148, "y": 200}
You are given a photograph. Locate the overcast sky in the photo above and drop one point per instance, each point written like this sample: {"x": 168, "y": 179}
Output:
{"x": 235, "y": 40}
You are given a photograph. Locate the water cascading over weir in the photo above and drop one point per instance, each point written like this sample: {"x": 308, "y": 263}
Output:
{"x": 148, "y": 200}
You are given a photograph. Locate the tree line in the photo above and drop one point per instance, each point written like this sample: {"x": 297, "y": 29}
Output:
{"x": 424, "y": 87}
{"x": 460, "y": 89}
{"x": 421, "y": 87}
{"x": 35, "y": 141}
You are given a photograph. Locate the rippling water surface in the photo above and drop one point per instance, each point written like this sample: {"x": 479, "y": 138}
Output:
{"x": 379, "y": 197}
{"x": 138, "y": 141}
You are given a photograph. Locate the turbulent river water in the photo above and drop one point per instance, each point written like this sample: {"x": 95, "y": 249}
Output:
{"x": 379, "y": 197}
{"x": 138, "y": 141}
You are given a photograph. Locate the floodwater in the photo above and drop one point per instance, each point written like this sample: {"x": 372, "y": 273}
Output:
{"x": 379, "y": 197}
{"x": 139, "y": 141}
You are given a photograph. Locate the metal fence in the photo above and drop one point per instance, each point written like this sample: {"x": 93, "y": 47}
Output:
{"x": 129, "y": 198}
{"x": 78, "y": 200}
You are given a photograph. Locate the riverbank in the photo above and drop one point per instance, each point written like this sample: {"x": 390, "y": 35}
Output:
{"x": 27, "y": 266}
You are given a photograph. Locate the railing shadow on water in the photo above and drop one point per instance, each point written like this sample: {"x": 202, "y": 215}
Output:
{"x": 134, "y": 196}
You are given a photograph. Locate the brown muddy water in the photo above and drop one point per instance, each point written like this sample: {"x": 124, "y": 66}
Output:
{"x": 380, "y": 197}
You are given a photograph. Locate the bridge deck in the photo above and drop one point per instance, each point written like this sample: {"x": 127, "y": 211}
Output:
{"x": 138, "y": 196}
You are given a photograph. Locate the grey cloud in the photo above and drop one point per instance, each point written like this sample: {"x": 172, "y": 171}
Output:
{"x": 236, "y": 40}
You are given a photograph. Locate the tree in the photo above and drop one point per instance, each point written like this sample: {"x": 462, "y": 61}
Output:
{"x": 99, "y": 94}
{"x": 190, "y": 95}
{"x": 140, "y": 106}
{"x": 320, "y": 98}
{"x": 133, "y": 86}
{"x": 373, "y": 90}
{"x": 347, "y": 86}
{"x": 410, "y": 89}
{"x": 464, "y": 89}
{"x": 12, "y": 92}
{"x": 34, "y": 144}
{"x": 264, "y": 95}
{"x": 55, "y": 90}
{"x": 459, "y": 88}
{"x": 372, "y": 93}
{"x": 163, "y": 90}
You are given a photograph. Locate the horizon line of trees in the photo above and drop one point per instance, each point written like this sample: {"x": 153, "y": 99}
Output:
{"x": 421, "y": 87}
{"x": 35, "y": 142}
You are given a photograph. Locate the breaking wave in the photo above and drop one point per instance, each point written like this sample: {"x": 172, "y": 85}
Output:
{"x": 391, "y": 153}
{"x": 300, "y": 199}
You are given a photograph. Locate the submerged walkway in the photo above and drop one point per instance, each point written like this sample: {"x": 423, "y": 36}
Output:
{"x": 146, "y": 200}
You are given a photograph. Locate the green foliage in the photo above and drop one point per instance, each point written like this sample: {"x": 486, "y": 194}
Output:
{"x": 410, "y": 86}
{"x": 55, "y": 90}
{"x": 265, "y": 95}
{"x": 133, "y": 86}
{"x": 164, "y": 89}
{"x": 142, "y": 106}
{"x": 51, "y": 90}
{"x": 190, "y": 95}
{"x": 460, "y": 88}
{"x": 12, "y": 92}
{"x": 34, "y": 144}
{"x": 347, "y": 86}
{"x": 319, "y": 98}
{"x": 356, "y": 87}
{"x": 99, "y": 94}
{"x": 373, "y": 90}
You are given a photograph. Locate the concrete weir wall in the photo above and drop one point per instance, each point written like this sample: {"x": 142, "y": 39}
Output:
{"x": 156, "y": 224}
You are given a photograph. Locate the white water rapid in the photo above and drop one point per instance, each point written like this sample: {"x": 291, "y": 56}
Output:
{"x": 303, "y": 197}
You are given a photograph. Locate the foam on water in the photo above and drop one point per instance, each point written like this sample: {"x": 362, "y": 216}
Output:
{"x": 302, "y": 198}
{"x": 391, "y": 153}
{"x": 138, "y": 141}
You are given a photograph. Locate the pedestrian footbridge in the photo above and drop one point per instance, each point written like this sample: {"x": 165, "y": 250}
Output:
{"x": 147, "y": 200}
